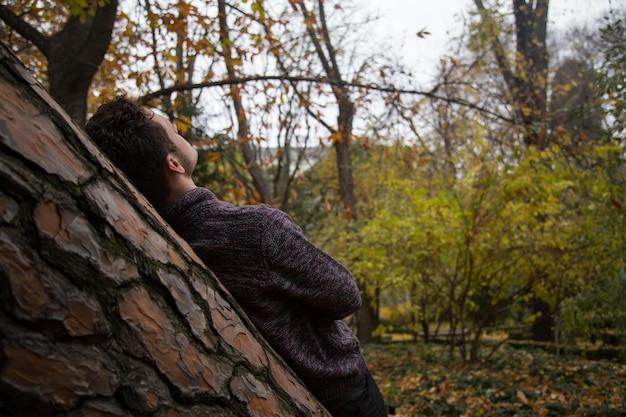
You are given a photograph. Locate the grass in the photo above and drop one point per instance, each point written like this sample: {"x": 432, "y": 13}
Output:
{"x": 422, "y": 381}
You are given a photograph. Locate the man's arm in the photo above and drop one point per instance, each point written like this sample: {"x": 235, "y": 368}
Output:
{"x": 307, "y": 273}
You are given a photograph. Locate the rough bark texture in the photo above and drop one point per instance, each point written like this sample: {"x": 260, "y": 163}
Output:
{"x": 103, "y": 310}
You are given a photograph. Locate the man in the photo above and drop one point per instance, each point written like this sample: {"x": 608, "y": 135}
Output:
{"x": 294, "y": 293}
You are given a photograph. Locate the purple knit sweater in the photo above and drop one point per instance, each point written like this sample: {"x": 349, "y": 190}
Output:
{"x": 294, "y": 293}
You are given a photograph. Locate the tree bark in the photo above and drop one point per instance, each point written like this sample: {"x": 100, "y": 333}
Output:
{"x": 103, "y": 310}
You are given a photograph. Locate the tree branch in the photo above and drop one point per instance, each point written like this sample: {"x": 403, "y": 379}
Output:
{"x": 25, "y": 30}
{"x": 322, "y": 80}
{"x": 97, "y": 30}
{"x": 498, "y": 50}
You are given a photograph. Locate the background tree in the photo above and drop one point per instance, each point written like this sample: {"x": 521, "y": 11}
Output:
{"x": 73, "y": 50}
{"x": 524, "y": 70}
{"x": 317, "y": 27}
{"x": 243, "y": 127}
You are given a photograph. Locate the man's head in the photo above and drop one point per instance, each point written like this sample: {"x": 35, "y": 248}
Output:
{"x": 145, "y": 146}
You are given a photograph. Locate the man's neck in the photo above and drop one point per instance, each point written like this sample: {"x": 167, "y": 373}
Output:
{"x": 179, "y": 188}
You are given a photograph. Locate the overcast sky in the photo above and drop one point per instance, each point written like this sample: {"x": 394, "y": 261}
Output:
{"x": 402, "y": 19}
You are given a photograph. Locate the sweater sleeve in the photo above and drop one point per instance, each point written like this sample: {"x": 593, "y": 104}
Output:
{"x": 304, "y": 271}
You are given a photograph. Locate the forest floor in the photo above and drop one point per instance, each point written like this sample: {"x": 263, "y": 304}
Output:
{"x": 423, "y": 381}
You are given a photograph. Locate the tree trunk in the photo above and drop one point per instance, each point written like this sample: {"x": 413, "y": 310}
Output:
{"x": 74, "y": 54}
{"x": 531, "y": 19}
{"x": 103, "y": 310}
{"x": 526, "y": 77}
{"x": 542, "y": 327}
{"x": 243, "y": 128}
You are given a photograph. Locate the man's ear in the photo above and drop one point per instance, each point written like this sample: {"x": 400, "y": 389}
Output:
{"x": 173, "y": 165}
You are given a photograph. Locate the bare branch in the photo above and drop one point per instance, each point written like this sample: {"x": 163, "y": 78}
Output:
{"x": 322, "y": 80}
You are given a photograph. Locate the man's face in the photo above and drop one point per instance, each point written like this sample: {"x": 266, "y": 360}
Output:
{"x": 186, "y": 154}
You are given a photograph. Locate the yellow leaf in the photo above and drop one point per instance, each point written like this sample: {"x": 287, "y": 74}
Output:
{"x": 182, "y": 125}
{"x": 335, "y": 136}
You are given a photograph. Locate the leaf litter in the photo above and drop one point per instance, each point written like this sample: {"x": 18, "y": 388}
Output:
{"x": 422, "y": 380}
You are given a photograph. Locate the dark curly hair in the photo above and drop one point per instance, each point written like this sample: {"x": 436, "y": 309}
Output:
{"x": 135, "y": 143}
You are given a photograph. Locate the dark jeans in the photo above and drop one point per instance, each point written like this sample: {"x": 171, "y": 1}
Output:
{"x": 363, "y": 400}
